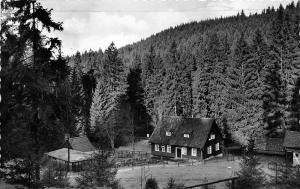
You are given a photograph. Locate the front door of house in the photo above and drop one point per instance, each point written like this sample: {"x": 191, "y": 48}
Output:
{"x": 178, "y": 152}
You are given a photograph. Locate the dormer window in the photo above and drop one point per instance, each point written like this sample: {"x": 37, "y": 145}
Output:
{"x": 168, "y": 133}
{"x": 186, "y": 135}
{"x": 212, "y": 136}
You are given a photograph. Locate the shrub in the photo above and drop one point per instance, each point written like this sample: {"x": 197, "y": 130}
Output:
{"x": 172, "y": 185}
{"x": 250, "y": 175}
{"x": 151, "y": 183}
{"x": 54, "y": 176}
{"x": 17, "y": 171}
{"x": 100, "y": 172}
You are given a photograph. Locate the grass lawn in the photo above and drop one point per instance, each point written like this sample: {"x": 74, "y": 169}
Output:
{"x": 186, "y": 174}
{"x": 142, "y": 145}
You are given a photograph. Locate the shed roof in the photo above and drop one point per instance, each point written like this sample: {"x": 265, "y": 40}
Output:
{"x": 269, "y": 144}
{"x": 292, "y": 139}
{"x": 198, "y": 128}
{"x": 75, "y": 156}
{"x": 81, "y": 143}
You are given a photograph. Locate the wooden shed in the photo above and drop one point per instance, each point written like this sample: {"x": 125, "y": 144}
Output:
{"x": 79, "y": 155}
{"x": 291, "y": 145}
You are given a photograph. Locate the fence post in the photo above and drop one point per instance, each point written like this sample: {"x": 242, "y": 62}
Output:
{"x": 232, "y": 183}
{"x": 275, "y": 175}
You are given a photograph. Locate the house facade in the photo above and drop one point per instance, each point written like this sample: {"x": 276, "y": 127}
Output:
{"x": 291, "y": 145}
{"x": 179, "y": 137}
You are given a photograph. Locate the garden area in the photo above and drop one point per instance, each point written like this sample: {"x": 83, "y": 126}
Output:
{"x": 185, "y": 173}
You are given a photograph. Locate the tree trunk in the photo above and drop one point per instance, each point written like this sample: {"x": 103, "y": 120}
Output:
{"x": 112, "y": 143}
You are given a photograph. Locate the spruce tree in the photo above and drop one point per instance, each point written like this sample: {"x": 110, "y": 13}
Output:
{"x": 101, "y": 172}
{"x": 294, "y": 117}
{"x": 171, "y": 88}
{"x": 110, "y": 90}
{"x": 250, "y": 176}
{"x": 200, "y": 83}
{"x": 185, "y": 104}
{"x": 281, "y": 69}
{"x": 273, "y": 100}
{"x": 34, "y": 76}
{"x": 153, "y": 74}
{"x": 255, "y": 71}
{"x": 135, "y": 95}
{"x": 220, "y": 51}
{"x": 238, "y": 112}
{"x": 147, "y": 76}
{"x": 88, "y": 82}
{"x": 76, "y": 100}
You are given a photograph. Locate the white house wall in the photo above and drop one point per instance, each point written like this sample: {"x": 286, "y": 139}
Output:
{"x": 296, "y": 160}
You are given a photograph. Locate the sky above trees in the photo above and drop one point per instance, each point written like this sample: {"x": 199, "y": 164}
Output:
{"x": 94, "y": 24}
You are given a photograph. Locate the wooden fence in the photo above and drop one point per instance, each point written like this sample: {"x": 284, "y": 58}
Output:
{"x": 232, "y": 179}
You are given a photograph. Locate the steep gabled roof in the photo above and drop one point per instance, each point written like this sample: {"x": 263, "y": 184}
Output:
{"x": 292, "y": 139}
{"x": 81, "y": 143}
{"x": 197, "y": 128}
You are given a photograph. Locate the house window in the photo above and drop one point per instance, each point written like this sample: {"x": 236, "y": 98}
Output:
{"x": 297, "y": 155}
{"x": 194, "y": 151}
{"x": 168, "y": 133}
{"x": 163, "y": 148}
{"x": 212, "y": 136}
{"x": 156, "y": 147}
{"x": 209, "y": 150}
{"x": 217, "y": 146}
{"x": 186, "y": 135}
{"x": 168, "y": 148}
{"x": 184, "y": 151}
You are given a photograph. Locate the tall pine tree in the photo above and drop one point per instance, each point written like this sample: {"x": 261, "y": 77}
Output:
{"x": 111, "y": 88}
{"x": 34, "y": 122}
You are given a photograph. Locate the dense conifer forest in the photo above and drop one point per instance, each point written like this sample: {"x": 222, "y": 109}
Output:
{"x": 242, "y": 70}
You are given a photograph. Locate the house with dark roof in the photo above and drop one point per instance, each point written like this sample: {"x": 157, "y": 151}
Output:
{"x": 80, "y": 143}
{"x": 291, "y": 145}
{"x": 179, "y": 137}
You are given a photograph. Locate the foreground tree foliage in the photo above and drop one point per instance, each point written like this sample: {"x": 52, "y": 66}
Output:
{"x": 151, "y": 183}
{"x": 250, "y": 176}
{"x": 36, "y": 104}
{"x": 173, "y": 185}
{"x": 100, "y": 172}
{"x": 54, "y": 175}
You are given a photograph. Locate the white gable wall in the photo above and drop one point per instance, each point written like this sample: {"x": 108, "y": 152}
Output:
{"x": 296, "y": 158}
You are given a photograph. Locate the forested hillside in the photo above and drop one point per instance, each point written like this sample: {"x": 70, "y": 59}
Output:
{"x": 242, "y": 70}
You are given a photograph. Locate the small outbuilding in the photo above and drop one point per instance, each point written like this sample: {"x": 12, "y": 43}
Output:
{"x": 291, "y": 145}
{"x": 76, "y": 153}
{"x": 269, "y": 146}
{"x": 180, "y": 137}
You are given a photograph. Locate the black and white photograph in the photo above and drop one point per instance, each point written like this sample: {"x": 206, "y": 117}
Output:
{"x": 150, "y": 94}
